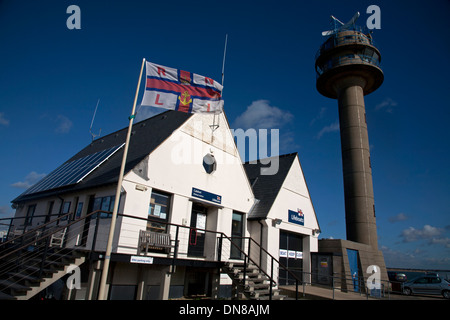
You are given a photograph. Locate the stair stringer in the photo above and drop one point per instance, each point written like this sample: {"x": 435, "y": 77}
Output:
{"x": 50, "y": 280}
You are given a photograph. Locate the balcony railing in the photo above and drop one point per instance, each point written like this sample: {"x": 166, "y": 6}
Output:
{"x": 89, "y": 233}
{"x": 336, "y": 40}
{"x": 346, "y": 60}
{"x": 83, "y": 234}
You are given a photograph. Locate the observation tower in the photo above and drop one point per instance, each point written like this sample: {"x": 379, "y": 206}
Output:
{"x": 348, "y": 68}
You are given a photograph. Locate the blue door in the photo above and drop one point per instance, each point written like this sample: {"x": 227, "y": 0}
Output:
{"x": 353, "y": 262}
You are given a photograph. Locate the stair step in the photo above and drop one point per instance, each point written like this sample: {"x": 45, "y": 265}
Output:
{"x": 65, "y": 258}
{"x": 252, "y": 287}
{"x": 277, "y": 297}
{"x": 50, "y": 264}
{"x": 24, "y": 276}
{"x": 35, "y": 270}
{"x": 5, "y": 296}
{"x": 254, "y": 277}
{"x": 13, "y": 285}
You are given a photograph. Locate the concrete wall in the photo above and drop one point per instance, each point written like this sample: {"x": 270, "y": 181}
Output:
{"x": 367, "y": 256}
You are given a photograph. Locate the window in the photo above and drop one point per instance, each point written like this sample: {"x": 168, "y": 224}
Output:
{"x": 30, "y": 214}
{"x": 104, "y": 204}
{"x": 435, "y": 280}
{"x": 158, "y": 211}
{"x": 79, "y": 210}
{"x": 237, "y": 232}
{"x": 65, "y": 209}
{"x": 421, "y": 281}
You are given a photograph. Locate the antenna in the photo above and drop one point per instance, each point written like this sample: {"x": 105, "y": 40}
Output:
{"x": 339, "y": 25}
{"x": 92, "y": 122}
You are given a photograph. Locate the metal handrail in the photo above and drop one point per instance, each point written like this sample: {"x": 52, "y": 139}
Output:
{"x": 221, "y": 236}
{"x": 31, "y": 237}
{"x": 43, "y": 236}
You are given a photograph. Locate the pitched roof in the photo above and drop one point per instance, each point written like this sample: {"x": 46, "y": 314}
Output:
{"x": 266, "y": 187}
{"x": 146, "y": 136}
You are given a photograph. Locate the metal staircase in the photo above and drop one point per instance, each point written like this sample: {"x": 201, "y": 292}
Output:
{"x": 250, "y": 283}
{"x": 29, "y": 276}
{"x": 34, "y": 260}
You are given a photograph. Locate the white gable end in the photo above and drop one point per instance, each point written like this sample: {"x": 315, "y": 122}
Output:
{"x": 294, "y": 196}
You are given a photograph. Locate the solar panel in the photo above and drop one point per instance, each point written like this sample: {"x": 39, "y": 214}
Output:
{"x": 73, "y": 172}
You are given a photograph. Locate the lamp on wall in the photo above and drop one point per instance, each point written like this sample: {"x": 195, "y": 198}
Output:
{"x": 316, "y": 232}
{"x": 276, "y": 222}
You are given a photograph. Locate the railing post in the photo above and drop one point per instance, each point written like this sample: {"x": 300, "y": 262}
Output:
{"x": 44, "y": 256}
{"x": 248, "y": 251}
{"x": 332, "y": 281}
{"x": 219, "y": 248}
{"x": 245, "y": 271}
{"x": 271, "y": 279}
{"x": 94, "y": 238}
{"x": 304, "y": 282}
{"x": 175, "y": 249}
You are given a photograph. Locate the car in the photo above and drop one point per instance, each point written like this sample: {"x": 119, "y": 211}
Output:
{"x": 427, "y": 285}
{"x": 396, "y": 276}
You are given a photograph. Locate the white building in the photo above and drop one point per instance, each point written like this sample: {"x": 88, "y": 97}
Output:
{"x": 182, "y": 183}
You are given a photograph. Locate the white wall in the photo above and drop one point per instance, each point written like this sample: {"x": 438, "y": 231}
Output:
{"x": 293, "y": 195}
{"x": 176, "y": 166}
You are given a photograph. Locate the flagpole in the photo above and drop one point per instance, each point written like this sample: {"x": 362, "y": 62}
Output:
{"x": 223, "y": 63}
{"x": 215, "y": 126}
{"x": 102, "y": 290}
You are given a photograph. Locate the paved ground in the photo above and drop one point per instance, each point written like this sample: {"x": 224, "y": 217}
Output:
{"x": 320, "y": 293}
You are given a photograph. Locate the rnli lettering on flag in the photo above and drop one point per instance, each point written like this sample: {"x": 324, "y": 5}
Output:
{"x": 180, "y": 90}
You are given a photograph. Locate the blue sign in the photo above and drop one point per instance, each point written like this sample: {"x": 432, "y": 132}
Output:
{"x": 206, "y": 195}
{"x": 297, "y": 217}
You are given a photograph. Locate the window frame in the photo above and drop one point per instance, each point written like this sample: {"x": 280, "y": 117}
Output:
{"x": 154, "y": 221}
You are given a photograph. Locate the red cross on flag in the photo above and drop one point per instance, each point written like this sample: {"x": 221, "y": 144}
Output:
{"x": 180, "y": 90}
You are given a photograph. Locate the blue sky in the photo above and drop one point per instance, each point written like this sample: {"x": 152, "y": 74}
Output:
{"x": 51, "y": 78}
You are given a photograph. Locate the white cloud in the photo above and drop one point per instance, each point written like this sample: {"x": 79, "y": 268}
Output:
{"x": 386, "y": 105}
{"x": 426, "y": 233}
{"x": 442, "y": 241}
{"x": 319, "y": 116}
{"x": 261, "y": 115}
{"x": 30, "y": 180}
{"x": 3, "y": 120}
{"x": 399, "y": 217}
{"x": 414, "y": 259}
{"x": 334, "y": 127}
{"x": 64, "y": 124}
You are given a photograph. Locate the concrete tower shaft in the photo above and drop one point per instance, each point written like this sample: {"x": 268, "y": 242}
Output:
{"x": 347, "y": 67}
{"x": 358, "y": 186}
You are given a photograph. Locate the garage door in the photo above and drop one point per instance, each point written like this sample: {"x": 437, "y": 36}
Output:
{"x": 291, "y": 256}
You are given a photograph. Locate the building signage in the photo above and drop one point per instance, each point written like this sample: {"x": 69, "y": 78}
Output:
{"x": 291, "y": 254}
{"x": 206, "y": 195}
{"x": 142, "y": 260}
{"x": 297, "y": 217}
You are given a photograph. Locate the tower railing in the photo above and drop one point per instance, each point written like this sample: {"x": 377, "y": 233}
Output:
{"x": 346, "y": 60}
{"x": 336, "y": 40}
